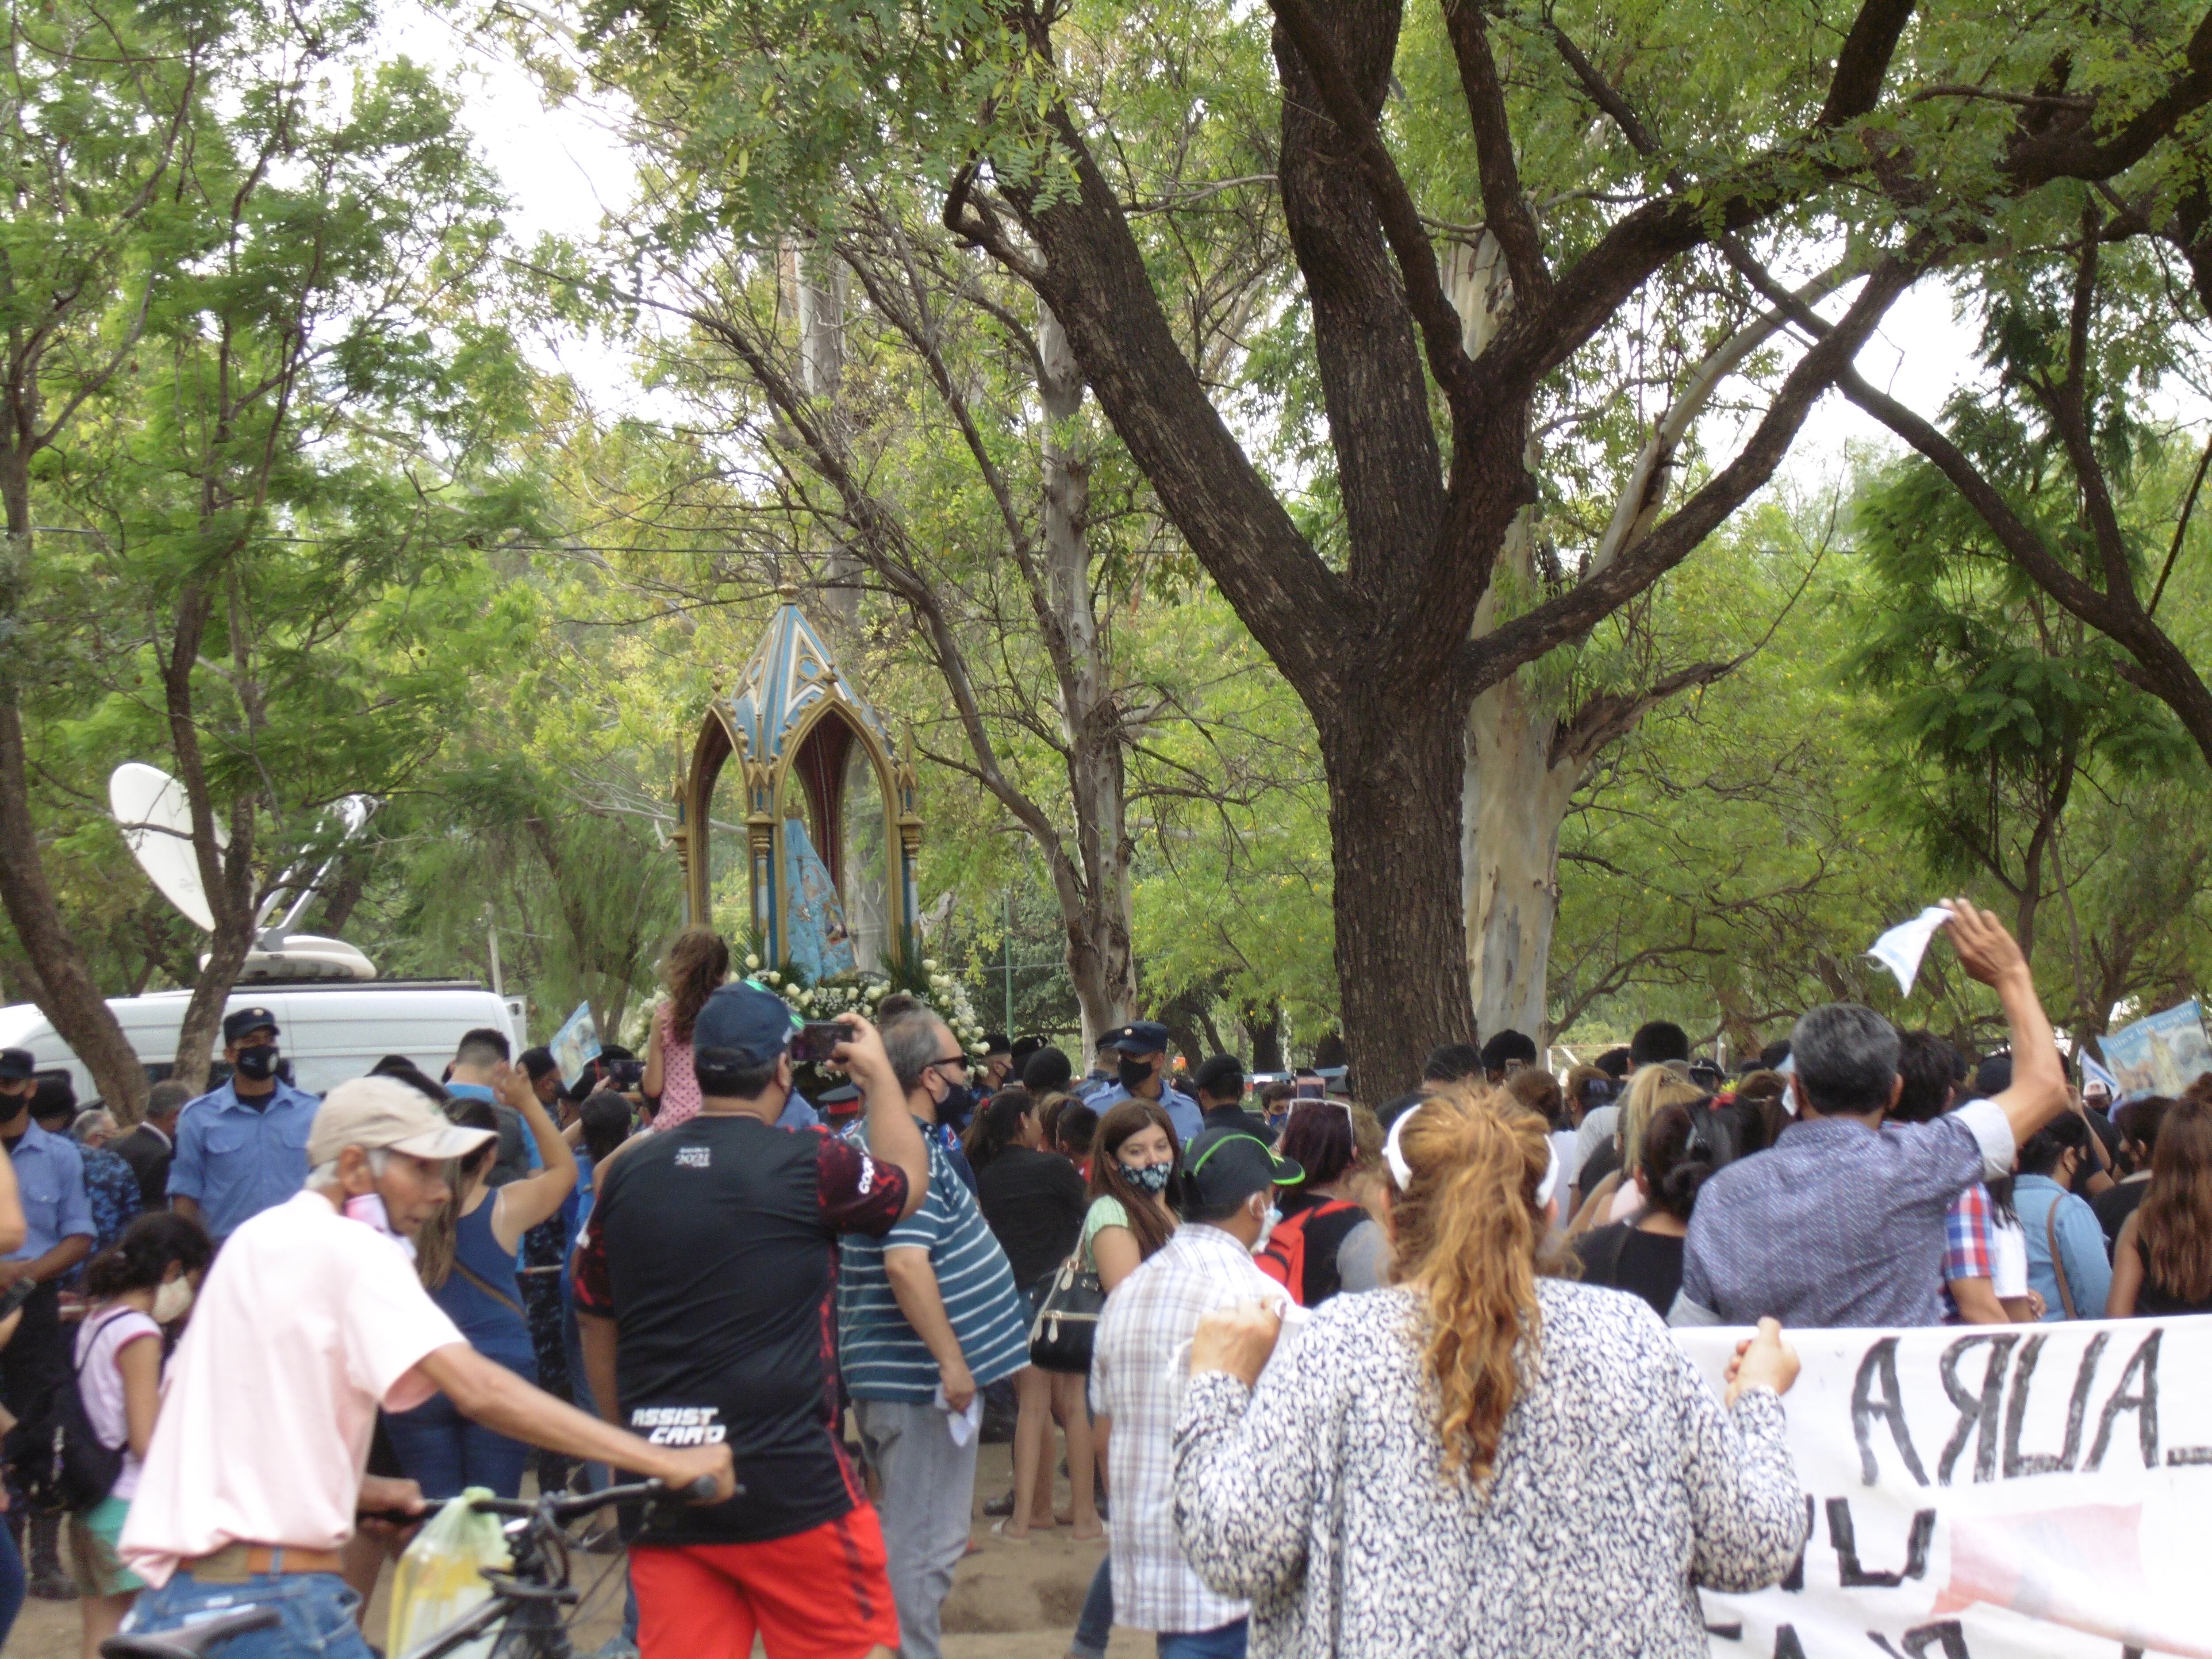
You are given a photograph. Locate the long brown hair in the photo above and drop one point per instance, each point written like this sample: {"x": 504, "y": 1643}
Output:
{"x": 1150, "y": 1219}
{"x": 1468, "y": 1229}
{"x": 697, "y": 963}
{"x": 2174, "y": 1225}
{"x": 437, "y": 1245}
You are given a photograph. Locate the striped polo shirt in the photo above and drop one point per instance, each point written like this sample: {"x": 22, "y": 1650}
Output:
{"x": 880, "y": 1355}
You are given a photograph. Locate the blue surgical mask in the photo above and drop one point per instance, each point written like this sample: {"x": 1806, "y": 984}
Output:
{"x": 1149, "y": 1178}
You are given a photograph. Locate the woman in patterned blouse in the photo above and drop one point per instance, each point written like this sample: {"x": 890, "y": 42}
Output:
{"x": 1479, "y": 1461}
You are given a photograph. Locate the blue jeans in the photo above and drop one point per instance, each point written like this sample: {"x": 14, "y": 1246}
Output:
{"x": 445, "y": 1453}
{"x": 1226, "y": 1642}
{"x": 11, "y": 1583}
{"x": 1094, "y": 1627}
{"x": 317, "y": 1609}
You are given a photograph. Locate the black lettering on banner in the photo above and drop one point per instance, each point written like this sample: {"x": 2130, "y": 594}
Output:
{"x": 1856, "y": 1576}
{"x": 1786, "y": 1644}
{"x": 1921, "y": 1637}
{"x": 1795, "y": 1580}
{"x": 2143, "y": 1403}
{"x": 1979, "y": 1415}
{"x": 2018, "y": 1464}
{"x": 1879, "y": 1366}
{"x": 1727, "y": 1633}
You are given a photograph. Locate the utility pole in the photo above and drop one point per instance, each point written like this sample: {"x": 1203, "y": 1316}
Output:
{"x": 1009, "y": 964}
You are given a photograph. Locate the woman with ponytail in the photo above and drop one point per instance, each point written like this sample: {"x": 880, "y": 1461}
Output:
{"x": 1677, "y": 1151}
{"x": 697, "y": 964}
{"x": 1377, "y": 1497}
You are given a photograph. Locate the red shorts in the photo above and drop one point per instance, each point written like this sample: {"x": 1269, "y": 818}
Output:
{"x": 822, "y": 1594}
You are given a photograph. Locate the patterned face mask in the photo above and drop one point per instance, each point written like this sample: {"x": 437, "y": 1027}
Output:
{"x": 1152, "y": 1178}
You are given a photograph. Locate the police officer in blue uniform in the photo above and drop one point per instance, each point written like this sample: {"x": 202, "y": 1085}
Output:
{"x": 1142, "y": 1049}
{"x": 242, "y": 1148}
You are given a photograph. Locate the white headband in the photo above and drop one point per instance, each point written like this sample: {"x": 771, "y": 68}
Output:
{"x": 1401, "y": 1173}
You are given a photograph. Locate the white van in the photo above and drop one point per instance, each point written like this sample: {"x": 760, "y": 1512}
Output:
{"x": 328, "y": 1032}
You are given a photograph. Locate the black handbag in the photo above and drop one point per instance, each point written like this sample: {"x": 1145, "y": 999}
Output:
{"x": 1066, "y": 1323}
{"x": 58, "y": 1459}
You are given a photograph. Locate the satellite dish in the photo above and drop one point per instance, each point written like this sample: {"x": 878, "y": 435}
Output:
{"x": 157, "y": 821}
{"x": 150, "y": 808}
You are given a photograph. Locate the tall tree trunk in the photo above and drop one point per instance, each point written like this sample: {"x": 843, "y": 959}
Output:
{"x": 1263, "y": 1027}
{"x": 61, "y": 985}
{"x": 1395, "y": 781}
{"x": 1524, "y": 758}
{"x": 1515, "y": 800}
{"x": 226, "y": 870}
{"x": 818, "y": 294}
{"x": 1100, "y": 957}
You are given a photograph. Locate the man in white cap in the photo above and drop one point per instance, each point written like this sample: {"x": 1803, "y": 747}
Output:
{"x": 312, "y": 1318}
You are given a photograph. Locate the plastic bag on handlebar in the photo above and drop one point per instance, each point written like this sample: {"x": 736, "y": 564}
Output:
{"x": 441, "y": 1577}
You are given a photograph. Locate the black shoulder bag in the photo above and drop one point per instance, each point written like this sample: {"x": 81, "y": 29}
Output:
{"x": 1066, "y": 1324}
{"x": 57, "y": 1458}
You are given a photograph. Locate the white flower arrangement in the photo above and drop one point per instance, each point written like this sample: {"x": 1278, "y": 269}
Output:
{"x": 860, "y": 992}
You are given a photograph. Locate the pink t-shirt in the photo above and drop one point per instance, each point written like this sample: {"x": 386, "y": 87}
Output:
{"x": 100, "y": 1341}
{"x": 307, "y": 1322}
{"x": 679, "y": 1084}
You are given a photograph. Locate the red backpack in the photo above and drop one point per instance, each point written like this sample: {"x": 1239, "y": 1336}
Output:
{"x": 1284, "y": 1258}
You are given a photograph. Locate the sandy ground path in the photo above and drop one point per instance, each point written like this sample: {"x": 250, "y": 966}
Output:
{"x": 1009, "y": 1601}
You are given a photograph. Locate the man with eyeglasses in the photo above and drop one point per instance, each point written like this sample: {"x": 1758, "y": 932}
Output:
{"x": 928, "y": 1315}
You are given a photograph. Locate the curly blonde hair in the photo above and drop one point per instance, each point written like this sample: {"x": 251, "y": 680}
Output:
{"x": 1469, "y": 1231}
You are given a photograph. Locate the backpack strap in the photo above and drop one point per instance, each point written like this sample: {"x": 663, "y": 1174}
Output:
{"x": 2057, "y": 1262}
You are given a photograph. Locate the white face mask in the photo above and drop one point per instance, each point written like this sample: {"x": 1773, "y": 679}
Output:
{"x": 1267, "y": 1229}
{"x": 172, "y": 1300}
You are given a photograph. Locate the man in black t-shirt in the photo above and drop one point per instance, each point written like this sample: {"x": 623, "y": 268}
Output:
{"x": 706, "y": 1282}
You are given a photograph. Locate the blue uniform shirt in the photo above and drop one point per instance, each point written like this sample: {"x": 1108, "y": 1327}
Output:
{"x": 50, "y": 1175}
{"x": 235, "y": 1162}
{"x": 1183, "y": 1111}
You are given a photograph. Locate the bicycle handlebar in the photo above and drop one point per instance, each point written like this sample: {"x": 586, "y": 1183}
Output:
{"x": 563, "y": 1510}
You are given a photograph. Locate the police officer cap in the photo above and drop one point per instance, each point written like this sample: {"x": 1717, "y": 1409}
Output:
{"x": 16, "y": 1064}
{"x": 236, "y": 1025}
{"x": 1147, "y": 1036}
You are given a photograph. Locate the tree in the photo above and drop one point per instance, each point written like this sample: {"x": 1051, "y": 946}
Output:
{"x": 1992, "y": 704}
{"x": 2081, "y": 325}
{"x": 314, "y": 433}
{"x": 96, "y": 108}
{"x": 1370, "y": 615}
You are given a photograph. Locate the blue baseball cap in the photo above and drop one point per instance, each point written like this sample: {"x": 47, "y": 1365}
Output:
{"x": 740, "y": 1027}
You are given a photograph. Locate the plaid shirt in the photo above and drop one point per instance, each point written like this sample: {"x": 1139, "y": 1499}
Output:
{"x": 1966, "y": 1244}
{"x": 1140, "y": 1363}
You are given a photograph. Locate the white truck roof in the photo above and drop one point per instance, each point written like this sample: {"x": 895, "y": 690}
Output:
{"x": 330, "y": 1032}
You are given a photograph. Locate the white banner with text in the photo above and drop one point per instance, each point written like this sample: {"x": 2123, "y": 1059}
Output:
{"x": 2035, "y": 1492}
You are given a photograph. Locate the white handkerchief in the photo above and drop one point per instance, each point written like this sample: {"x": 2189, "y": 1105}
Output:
{"x": 963, "y": 1424}
{"x": 1900, "y": 949}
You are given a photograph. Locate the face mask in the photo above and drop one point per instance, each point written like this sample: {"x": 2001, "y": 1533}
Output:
{"x": 257, "y": 1061}
{"x": 172, "y": 1301}
{"x": 1151, "y": 1178}
{"x": 957, "y": 1106}
{"x": 1267, "y": 1229}
{"x": 1135, "y": 1073}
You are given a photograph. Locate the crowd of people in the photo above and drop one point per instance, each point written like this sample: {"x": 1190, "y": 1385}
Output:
{"x": 1318, "y": 1372}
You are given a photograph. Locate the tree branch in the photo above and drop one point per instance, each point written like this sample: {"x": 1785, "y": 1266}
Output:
{"x": 1504, "y": 207}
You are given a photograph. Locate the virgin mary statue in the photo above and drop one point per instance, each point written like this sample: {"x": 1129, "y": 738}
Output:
{"x": 819, "y": 944}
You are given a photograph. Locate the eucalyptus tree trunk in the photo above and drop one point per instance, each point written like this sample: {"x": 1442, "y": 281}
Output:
{"x": 1527, "y": 751}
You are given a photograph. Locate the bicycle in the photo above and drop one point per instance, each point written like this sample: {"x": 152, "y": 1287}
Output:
{"x": 527, "y": 1602}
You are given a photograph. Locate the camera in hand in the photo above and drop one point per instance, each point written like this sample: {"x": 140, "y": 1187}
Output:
{"x": 624, "y": 1074}
{"x": 817, "y": 1041}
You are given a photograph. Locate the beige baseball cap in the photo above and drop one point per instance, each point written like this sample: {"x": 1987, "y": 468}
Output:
{"x": 380, "y": 1113}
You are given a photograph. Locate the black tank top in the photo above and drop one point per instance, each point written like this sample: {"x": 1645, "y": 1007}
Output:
{"x": 2154, "y": 1301}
